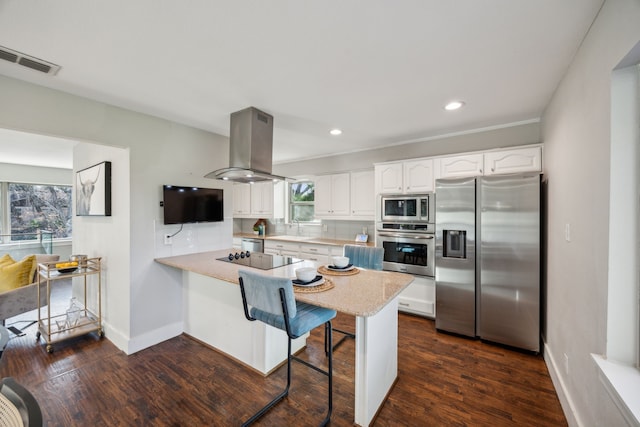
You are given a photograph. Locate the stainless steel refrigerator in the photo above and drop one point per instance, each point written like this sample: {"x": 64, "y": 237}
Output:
{"x": 488, "y": 245}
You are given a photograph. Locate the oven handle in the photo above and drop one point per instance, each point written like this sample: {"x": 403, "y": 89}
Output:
{"x": 407, "y": 236}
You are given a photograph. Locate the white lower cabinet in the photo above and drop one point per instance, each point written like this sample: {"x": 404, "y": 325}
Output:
{"x": 282, "y": 248}
{"x": 318, "y": 253}
{"x": 419, "y": 297}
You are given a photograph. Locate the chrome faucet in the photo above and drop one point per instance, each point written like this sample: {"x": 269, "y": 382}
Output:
{"x": 297, "y": 221}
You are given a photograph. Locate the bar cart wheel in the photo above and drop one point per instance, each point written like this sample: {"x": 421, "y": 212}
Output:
{"x": 38, "y": 336}
{"x": 49, "y": 348}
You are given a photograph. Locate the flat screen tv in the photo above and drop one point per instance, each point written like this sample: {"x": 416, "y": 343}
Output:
{"x": 184, "y": 205}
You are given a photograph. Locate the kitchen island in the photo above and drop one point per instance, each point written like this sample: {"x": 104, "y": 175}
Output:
{"x": 213, "y": 314}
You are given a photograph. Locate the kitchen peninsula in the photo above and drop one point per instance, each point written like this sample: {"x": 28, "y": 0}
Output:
{"x": 213, "y": 314}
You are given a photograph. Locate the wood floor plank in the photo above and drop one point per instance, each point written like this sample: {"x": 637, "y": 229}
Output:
{"x": 442, "y": 380}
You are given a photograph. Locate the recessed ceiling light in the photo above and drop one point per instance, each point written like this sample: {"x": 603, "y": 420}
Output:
{"x": 335, "y": 132}
{"x": 454, "y": 105}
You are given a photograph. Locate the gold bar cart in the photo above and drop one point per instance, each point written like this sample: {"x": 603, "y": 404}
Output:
{"x": 57, "y": 327}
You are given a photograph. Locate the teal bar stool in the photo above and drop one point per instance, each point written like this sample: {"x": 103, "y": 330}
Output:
{"x": 271, "y": 300}
{"x": 364, "y": 256}
{"x": 368, "y": 257}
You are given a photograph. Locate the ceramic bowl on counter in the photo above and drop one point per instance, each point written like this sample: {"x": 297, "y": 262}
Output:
{"x": 340, "y": 261}
{"x": 306, "y": 274}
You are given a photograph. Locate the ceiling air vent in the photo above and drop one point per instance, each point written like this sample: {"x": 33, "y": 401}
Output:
{"x": 28, "y": 61}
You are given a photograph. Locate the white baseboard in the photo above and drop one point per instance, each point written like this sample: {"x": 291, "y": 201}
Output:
{"x": 568, "y": 406}
{"x": 133, "y": 345}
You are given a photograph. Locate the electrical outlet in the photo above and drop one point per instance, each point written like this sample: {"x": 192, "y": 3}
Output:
{"x": 325, "y": 227}
{"x": 566, "y": 364}
{"x": 168, "y": 240}
{"x": 364, "y": 230}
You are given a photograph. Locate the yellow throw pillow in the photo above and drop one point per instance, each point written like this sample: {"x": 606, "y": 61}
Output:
{"x": 16, "y": 274}
{"x": 6, "y": 259}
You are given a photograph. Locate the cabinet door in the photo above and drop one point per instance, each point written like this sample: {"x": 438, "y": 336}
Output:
{"x": 332, "y": 195}
{"x": 317, "y": 253}
{"x": 388, "y": 178}
{"x": 461, "y": 166}
{"x": 241, "y": 199}
{"x": 322, "y": 190}
{"x": 363, "y": 201}
{"x": 512, "y": 161}
{"x": 340, "y": 194}
{"x": 262, "y": 199}
{"x": 279, "y": 190}
{"x": 419, "y": 297}
{"x": 418, "y": 176}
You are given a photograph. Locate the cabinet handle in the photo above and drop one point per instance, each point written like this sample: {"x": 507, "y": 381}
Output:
{"x": 313, "y": 249}
{"x": 404, "y": 304}
{"x": 493, "y": 170}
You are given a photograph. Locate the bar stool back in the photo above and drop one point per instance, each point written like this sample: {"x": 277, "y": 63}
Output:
{"x": 271, "y": 300}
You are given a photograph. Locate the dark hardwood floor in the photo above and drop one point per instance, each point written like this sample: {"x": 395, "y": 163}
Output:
{"x": 443, "y": 380}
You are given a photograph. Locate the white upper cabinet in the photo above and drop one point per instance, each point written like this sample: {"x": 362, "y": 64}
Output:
{"x": 412, "y": 176}
{"x": 241, "y": 200}
{"x": 279, "y": 192}
{"x": 363, "y": 203}
{"x": 460, "y": 166}
{"x": 332, "y": 195}
{"x": 389, "y": 178}
{"x": 254, "y": 200}
{"x": 512, "y": 161}
{"x": 418, "y": 176}
{"x": 262, "y": 199}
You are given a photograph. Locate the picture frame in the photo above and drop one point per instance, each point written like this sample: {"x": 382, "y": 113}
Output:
{"x": 93, "y": 190}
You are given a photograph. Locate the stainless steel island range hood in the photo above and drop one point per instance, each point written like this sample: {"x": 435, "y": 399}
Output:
{"x": 250, "y": 148}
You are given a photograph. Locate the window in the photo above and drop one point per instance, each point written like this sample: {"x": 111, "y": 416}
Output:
{"x": 34, "y": 207}
{"x": 301, "y": 197}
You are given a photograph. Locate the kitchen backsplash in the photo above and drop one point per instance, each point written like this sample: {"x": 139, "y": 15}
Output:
{"x": 327, "y": 229}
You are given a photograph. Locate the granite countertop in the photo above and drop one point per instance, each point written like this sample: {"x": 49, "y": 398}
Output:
{"x": 362, "y": 294}
{"x": 302, "y": 239}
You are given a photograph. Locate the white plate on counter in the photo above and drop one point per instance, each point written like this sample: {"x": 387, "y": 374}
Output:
{"x": 319, "y": 280}
{"x": 347, "y": 268}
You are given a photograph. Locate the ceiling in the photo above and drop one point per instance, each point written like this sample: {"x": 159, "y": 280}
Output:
{"x": 379, "y": 70}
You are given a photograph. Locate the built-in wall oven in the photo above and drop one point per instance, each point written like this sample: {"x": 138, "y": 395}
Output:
{"x": 405, "y": 228}
{"x": 408, "y": 247}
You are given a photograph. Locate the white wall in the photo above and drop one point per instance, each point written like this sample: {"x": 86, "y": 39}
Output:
{"x": 576, "y": 133}
{"x": 510, "y": 135}
{"x": 35, "y": 174}
{"x": 143, "y": 303}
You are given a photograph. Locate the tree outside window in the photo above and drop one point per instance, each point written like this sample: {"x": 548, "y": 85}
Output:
{"x": 301, "y": 201}
{"x": 39, "y": 207}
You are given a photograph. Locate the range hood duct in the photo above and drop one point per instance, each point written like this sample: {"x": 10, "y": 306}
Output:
{"x": 250, "y": 148}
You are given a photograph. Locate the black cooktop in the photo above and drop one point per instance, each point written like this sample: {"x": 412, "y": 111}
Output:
{"x": 259, "y": 260}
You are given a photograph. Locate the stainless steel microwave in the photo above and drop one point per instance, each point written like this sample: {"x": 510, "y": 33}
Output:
{"x": 404, "y": 208}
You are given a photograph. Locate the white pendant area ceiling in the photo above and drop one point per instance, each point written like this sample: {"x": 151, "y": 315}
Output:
{"x": 380, "y": 71}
